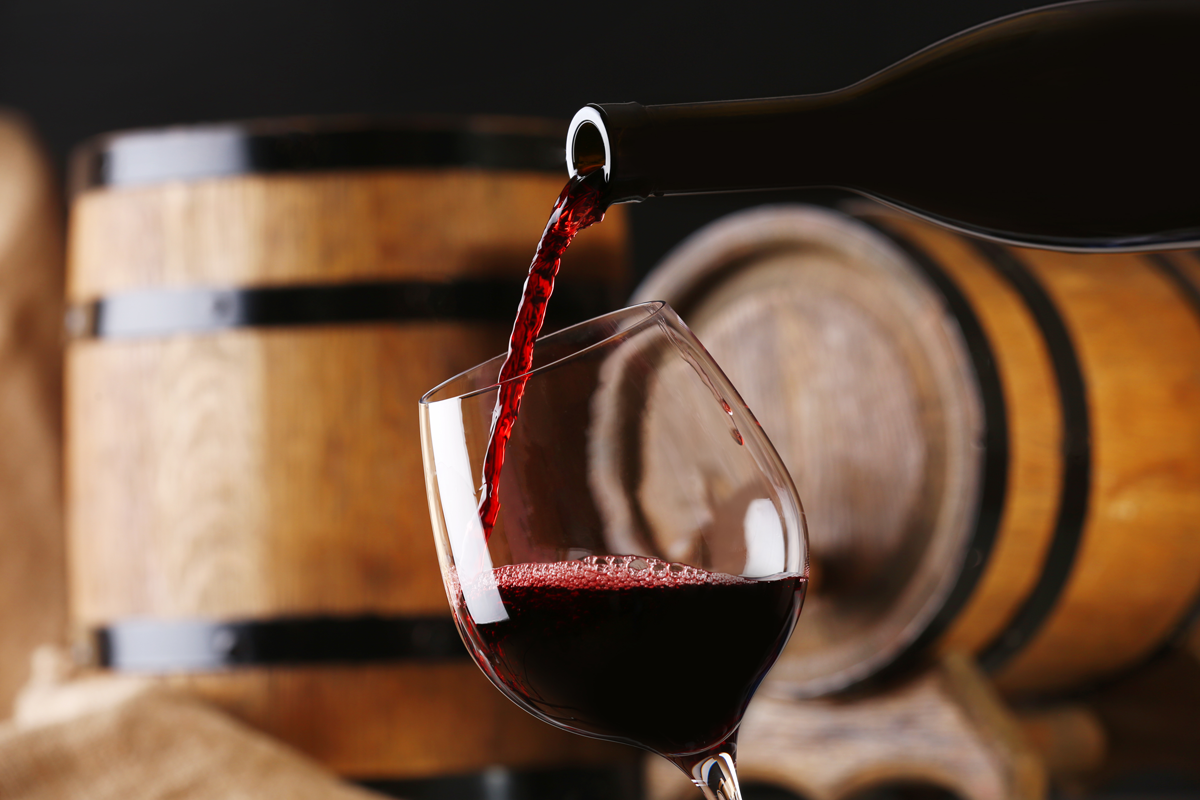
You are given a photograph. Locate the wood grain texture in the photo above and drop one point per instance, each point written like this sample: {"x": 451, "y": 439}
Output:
{"x": 325, "y": 228}
{"x": 1138, "y": 566}
{"x": 268, "y": 472}
{"x": 944, "y": 727}
{"x": 1034, "y": 479}
{"x": 32, "y": 568}
{"x": 257, "y": 473}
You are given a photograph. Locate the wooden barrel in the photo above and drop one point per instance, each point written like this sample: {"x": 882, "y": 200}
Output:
{"x": 256, "y": 310}
{"x": 998, "y": 449}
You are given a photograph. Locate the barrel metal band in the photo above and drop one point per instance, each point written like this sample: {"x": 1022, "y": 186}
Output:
{"x": 162, "y": 312}
{"x": 1076, "y": 454}
{"x": 994, "y": 466}
{"x": 143, "y": 645}
{"x": 314, "y": 145}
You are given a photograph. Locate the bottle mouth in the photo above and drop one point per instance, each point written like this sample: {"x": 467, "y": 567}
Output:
{"x": 588, "y": 147}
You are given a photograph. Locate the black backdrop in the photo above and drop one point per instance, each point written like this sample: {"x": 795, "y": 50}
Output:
{"x": 80, "y": 67}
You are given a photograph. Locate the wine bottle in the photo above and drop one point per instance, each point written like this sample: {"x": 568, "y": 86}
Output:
{"x": 1069, "y": 127}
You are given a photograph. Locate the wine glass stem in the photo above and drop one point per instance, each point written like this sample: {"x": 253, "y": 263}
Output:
{"x": 716, "y": 776}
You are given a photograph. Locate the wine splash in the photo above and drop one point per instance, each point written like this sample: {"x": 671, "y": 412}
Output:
{"x": 578, "y": 206}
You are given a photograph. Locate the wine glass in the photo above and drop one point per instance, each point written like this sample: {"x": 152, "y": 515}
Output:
{"x": 648, "y": 562}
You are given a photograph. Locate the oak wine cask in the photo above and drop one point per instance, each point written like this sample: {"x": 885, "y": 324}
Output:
{"x": 998, "y": 449}
{"x": 256, "y": 309}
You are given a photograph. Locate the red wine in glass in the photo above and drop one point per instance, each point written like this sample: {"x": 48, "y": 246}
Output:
{"x": 647, "y": 567}
{"x": 606, "y": 646}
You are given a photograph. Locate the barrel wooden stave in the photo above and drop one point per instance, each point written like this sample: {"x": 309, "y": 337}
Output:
{"x": 1137, "y": 571}
{"x": 270, "y": 230}
{"x": 261, "y": 473}
{"x": 1034, "y": 475}
{"x": 1136, "y": 338}
{"x": 249, "y": 449}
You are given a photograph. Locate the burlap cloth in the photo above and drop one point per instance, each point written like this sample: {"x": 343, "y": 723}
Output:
{"x": 104, "y": 738}
{"x": 33, "y": 593}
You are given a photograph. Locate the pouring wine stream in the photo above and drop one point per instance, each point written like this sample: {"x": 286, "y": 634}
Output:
{"x": 578, "y": 206}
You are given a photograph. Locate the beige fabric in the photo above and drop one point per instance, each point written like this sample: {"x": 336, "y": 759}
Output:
{"x": 32, "y": 572}
{"x": 104, "y": 738}
{"x": 60, "y": 691}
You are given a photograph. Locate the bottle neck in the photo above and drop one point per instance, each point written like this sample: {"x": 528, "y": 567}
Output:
{"x": 694, "y": 148}
{"x": 1067, "y": 127}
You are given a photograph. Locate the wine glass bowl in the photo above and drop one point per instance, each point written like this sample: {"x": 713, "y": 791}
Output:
{"x": 648, "y": 561}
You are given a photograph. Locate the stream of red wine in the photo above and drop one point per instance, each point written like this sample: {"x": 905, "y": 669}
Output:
{"x": 578, "y": 207}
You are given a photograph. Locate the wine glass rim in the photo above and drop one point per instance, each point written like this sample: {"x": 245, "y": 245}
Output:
{"x": 655, "y": 309}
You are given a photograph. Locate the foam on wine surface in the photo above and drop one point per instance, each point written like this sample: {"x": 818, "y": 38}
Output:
{"x": 608, "y": 573}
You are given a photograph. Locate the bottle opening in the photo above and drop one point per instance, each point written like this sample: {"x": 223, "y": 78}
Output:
{"x": 587, "y": 149}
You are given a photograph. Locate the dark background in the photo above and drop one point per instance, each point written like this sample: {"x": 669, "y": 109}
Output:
{"x": 81, "y": 67}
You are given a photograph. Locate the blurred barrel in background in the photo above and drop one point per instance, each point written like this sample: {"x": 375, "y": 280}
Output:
{"x": 998, "y": 449}
{"x": 32, "y": 565}
{"x": 256, "y": 310}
